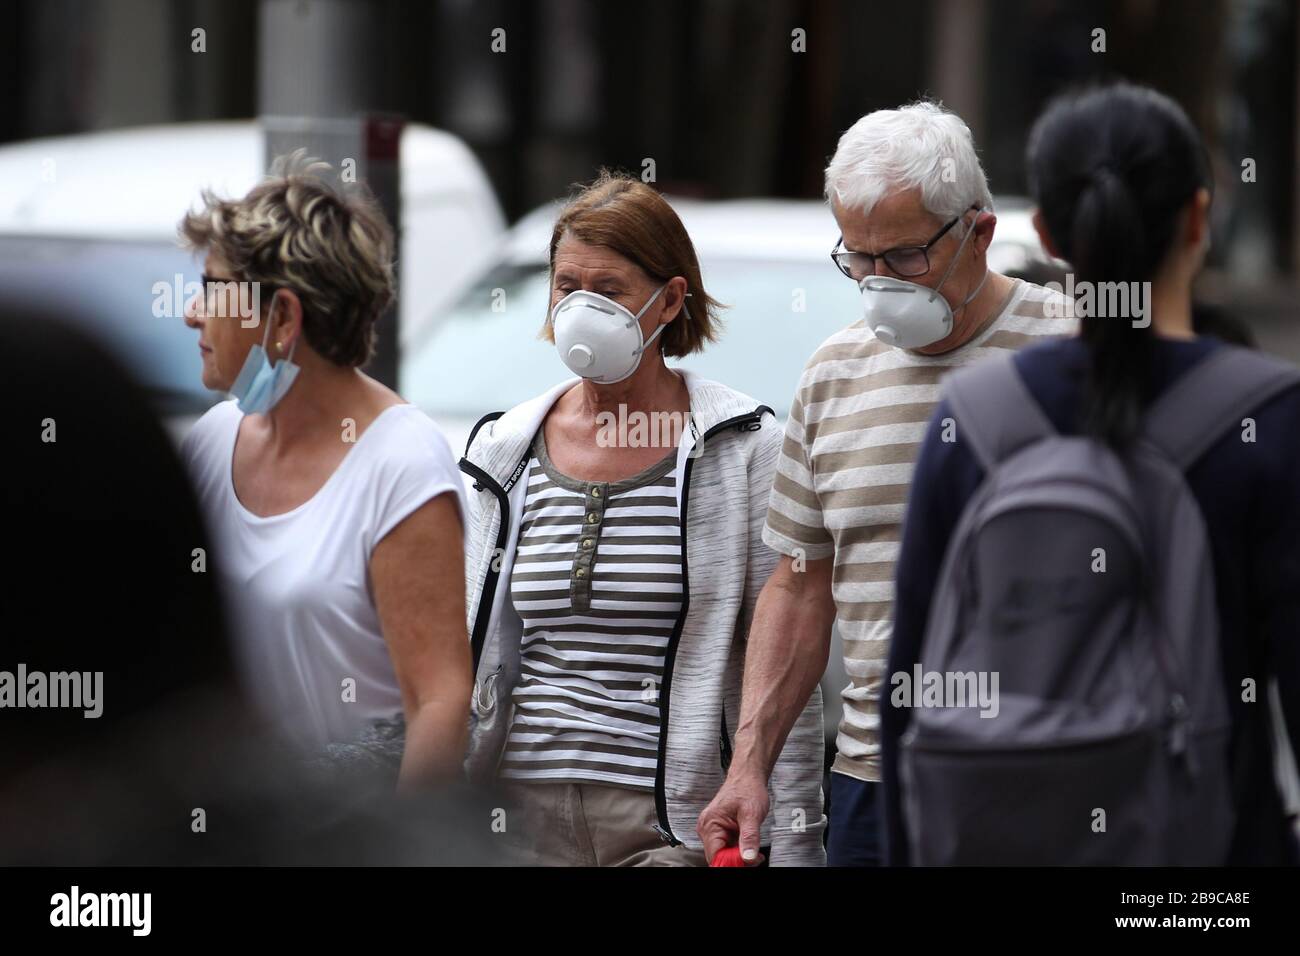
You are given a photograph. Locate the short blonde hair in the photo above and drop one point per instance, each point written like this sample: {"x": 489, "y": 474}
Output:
{"x": 301, "y": 231}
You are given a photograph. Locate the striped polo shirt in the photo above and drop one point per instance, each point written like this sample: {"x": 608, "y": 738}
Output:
{"x": 597, "y": 582}
{"x": 852, "y": 438}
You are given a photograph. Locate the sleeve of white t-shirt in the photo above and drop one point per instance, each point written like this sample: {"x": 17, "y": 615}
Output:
{"x": 417, "y": 467}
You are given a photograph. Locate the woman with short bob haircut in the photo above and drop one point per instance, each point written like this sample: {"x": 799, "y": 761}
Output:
{"x": 615, "y": 559}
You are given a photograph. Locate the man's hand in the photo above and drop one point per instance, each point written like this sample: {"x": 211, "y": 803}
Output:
{"x": 736, "y": 815}
{"x": 785, "y": 656}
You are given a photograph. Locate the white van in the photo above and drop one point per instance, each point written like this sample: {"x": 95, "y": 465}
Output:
{"x": 88, "y": 228}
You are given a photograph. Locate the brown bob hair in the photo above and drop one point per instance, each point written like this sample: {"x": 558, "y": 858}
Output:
{"x": 626, "y": 216}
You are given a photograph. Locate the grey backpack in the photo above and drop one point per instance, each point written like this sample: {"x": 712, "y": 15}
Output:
{"x": 1078, "y": 587}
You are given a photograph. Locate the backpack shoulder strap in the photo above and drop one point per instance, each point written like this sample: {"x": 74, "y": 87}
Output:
{"x": 996, "y": 413}
{"x": 1211, "y": 397}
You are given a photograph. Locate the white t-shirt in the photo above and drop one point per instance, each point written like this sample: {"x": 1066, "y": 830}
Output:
{"x": 303, "y": 616}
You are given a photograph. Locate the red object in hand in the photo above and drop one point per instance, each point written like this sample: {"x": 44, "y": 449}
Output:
{"x": 728, "y": 856}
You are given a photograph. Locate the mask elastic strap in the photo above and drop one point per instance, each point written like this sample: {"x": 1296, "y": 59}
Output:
{"x": 971, "y": 297}
{"x": 957, "y": 255}
{"x": 651, "y": 300}
{"x": 653, "y": 335}
{"x": 662, "y": 325}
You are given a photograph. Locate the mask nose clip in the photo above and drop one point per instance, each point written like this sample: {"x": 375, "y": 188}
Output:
{"x": 590, "y": 303}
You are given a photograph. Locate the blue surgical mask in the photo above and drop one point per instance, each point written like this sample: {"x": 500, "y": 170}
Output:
{"x": 260, "y": 385}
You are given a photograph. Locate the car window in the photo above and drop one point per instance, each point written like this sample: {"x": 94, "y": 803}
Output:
{"x": 485, "y": 355}
{"x": 112, "y": 290}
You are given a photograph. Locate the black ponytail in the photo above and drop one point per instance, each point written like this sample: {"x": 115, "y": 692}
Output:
{"x": 1110, "y": 170}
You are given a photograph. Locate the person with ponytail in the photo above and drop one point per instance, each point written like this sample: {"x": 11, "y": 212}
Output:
{"x": 1122, "y": 182}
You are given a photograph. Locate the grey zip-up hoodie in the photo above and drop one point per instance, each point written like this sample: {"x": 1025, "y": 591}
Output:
{"x": 727, "y": 460}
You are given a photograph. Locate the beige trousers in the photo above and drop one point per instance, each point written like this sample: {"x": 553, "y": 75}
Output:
{"x": 588, "y": 824}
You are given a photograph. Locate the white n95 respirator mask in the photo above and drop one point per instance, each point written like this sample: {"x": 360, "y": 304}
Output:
{"x": 599, "y": 339}
{"x": 908, "y": 315}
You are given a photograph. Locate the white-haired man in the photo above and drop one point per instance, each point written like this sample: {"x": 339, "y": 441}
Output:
{"x": 916, "y": 218}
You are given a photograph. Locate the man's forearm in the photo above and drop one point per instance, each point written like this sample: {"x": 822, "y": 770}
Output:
{"x": 789, "y": 643}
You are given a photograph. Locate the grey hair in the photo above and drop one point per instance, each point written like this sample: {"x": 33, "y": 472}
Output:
{"x": 299, "y": 229}
{"x": 921, "y": 145}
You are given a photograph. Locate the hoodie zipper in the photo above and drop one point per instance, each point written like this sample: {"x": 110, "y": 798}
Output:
{"x": 750, "y": 421}
{"x": 478, "y": 634}
{"x": 488, "y": 594}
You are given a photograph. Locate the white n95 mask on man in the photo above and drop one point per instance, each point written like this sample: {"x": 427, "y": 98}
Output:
{"x": 599, "y": 339}
{"x": 908, "y": 315}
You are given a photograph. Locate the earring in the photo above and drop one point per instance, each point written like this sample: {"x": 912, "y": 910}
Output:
{"x": 279, "y": 347}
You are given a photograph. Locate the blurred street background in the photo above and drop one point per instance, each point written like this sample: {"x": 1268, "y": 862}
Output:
{"x": 710, "y": 88}
{"x": 121, "y": 110}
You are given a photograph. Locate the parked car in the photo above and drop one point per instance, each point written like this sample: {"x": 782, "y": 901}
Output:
{"x": 88, "y": 230}
{"x": 767, "y": 260}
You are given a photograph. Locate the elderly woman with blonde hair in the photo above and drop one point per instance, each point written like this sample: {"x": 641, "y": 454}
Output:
{"x": 615, "y": 563}
{"x": 335, "y": 505}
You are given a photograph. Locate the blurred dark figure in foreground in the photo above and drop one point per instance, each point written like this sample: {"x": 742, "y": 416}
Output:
{"x": 105, "y": 585}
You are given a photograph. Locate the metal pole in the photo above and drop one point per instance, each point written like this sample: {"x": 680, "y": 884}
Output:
{"x": 958, "y": 56}
{"x": 319, "y": 79}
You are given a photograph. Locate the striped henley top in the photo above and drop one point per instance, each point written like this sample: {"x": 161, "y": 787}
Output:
{"x": 597, "y": 583}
